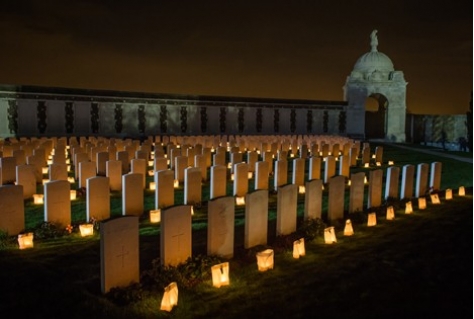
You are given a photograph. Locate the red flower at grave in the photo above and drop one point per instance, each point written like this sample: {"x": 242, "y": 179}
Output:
{"x": 69, "y": 229}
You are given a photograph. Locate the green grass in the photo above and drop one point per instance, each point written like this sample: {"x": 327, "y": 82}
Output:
{"x": 417, "y": 265}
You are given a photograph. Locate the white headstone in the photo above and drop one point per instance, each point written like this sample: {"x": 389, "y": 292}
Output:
{"x": 58, "y": 172}
{"x": 336, "y": 198}
{"x": 421, "y": 187}
{"x": 98, "y": 198}
{"x": 287, "y": 198}
{"x": 435, "y": 176}
{"x": 7, "y": 170}
{"x": 313, "y": 199}
{"x": 175, "y": 235}
{"x": 374, "y": 197}
{"x": 132, "y": 196}
{"x": 57, "y": 202}
{"x": 329, "y": 168}
{"x": 86, "y": 170}
{"x": 164, "y": 191}
{"x": 119, "y": 252}
{"x": 220, "y": 228}
{"x": 114, "y": 173}
{"x": 356, "y": 193}
{"x": 25, "y": 176}
{"x": 262, "y": 171}
{"x": 406, "y": 189}
{"x": 241, "y": 182}
{"x": 192, "y": 186}
{"x": 391, "y": 182}
{"x": 139, "y": 165}
{"x": 12, "y": 211}
{"x": 256, "y": 218}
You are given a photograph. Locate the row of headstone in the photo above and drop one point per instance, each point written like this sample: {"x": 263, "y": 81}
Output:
{"x": 119, "y": 237}
{"x": 57, "y": 199}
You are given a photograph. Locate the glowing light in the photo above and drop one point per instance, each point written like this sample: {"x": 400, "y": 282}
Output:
{"x": 435, "y": 199}
{"x": 170, "y": 297}
{"x": 38, "y": 199}
{"x": 448, "y": 194}
{"x": 421, "y": 203}
{"x": 348, "y": 230}
{"x": 301, "y": 189}
{"x": 371, "y": 219}
{"x": 265, "y": 260}
{"x": 86, "y": 230}
{"x": 330, "y": 235}
{"x": 25, "y": 240}
{"x": 155, "y": 216}
{"x": 390, "y": 213}
{"x": 408, "y": 208}
{"x": 298, "y": 248}
{"x": 73, "y": 194}
{"x": 240, "y": 200}
{"x": 220, "y": 275}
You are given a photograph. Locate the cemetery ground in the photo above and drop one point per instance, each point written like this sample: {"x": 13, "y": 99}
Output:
{"x": 416, "y": 265}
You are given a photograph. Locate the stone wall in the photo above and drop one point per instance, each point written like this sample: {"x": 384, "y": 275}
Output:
{"x": 430, "y": 129}
{"x": 49, "y": 112}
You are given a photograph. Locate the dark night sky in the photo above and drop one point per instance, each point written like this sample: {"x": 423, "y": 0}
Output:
{"x": 278, "y": 49}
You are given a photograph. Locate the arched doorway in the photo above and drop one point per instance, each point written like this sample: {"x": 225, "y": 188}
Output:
{"x": 375, "y": 116}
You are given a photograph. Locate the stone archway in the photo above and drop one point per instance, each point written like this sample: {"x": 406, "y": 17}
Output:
{"x": 376, "y": 116}
{"x": 374, "y": 76}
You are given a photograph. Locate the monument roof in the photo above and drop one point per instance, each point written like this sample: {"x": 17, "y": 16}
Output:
{"x": 374, "y": 60}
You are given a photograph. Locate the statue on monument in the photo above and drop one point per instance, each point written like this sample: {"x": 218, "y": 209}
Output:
{"x": 374, "y": 41}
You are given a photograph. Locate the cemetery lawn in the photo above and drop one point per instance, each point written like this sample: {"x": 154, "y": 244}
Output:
{"x": 418, "y": 265}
